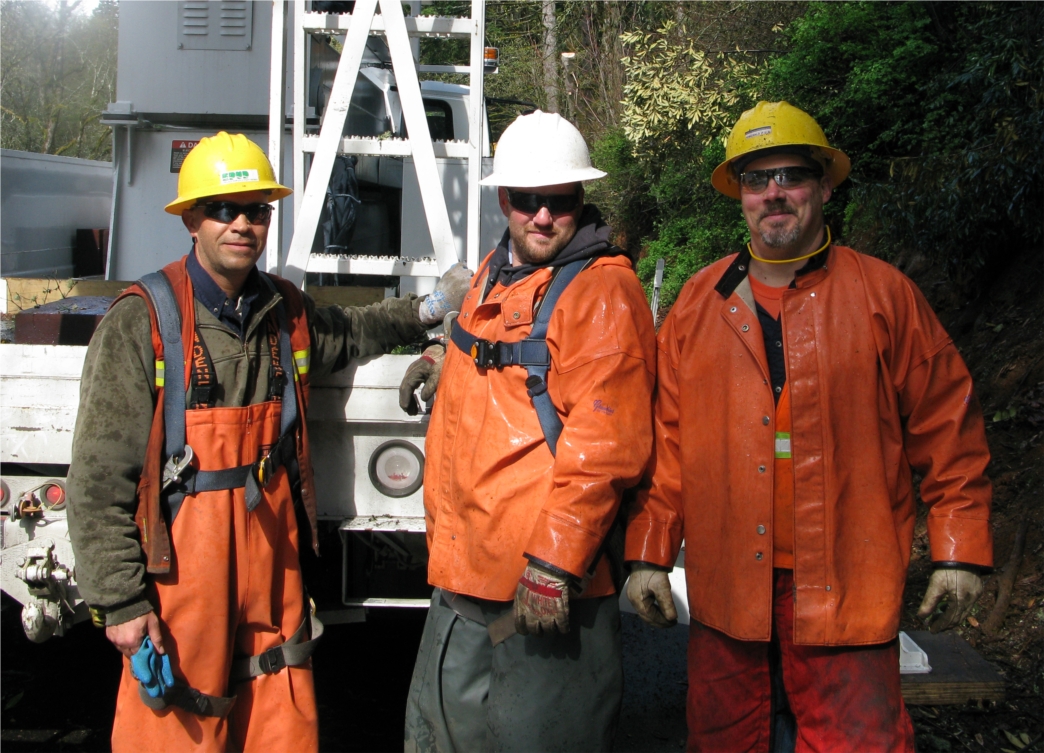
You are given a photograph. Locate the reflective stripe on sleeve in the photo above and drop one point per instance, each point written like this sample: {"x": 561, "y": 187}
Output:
{"x": 782, "y": 444}
{"x": 160, "y": 369}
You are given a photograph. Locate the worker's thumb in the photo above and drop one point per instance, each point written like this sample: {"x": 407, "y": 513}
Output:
{"x": 660, "y": 585}
{"x": 936, "y": 590}
{"x": 155, "y": 632}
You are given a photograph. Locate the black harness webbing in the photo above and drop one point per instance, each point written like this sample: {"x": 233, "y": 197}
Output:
{"x": 181, "y": 479}
{"x": 532, "y": 353}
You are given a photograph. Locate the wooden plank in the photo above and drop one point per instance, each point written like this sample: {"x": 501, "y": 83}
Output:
{"x": 25, "y": 292}
{"x": 959, "y": 674}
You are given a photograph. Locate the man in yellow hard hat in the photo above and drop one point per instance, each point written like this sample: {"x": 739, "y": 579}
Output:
{"x": 800, "y": 386}
{"x": 190, "y": 464}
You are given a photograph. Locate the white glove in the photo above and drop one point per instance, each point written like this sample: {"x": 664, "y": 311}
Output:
{"x": 649, "y": 591}
{"x": 447, "y": 296}
{"x": 960, "y": 587}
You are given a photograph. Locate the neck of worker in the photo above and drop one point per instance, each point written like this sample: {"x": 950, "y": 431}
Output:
{"x": 777, "y": 270}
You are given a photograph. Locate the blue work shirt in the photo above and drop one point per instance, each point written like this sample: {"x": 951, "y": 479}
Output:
{"x": 234, "y": 314}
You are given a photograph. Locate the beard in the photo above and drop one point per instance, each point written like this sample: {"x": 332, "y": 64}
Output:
{"x": 778, "y": 237}
{"x": 527, "y": 251}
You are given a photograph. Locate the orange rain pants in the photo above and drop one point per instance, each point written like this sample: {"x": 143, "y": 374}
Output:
{"x": 234, "y": 589}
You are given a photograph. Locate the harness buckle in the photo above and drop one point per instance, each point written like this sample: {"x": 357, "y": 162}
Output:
{"x": 263, "y": 470}
{"x": 485, "y": 354}
{"x": 272, "y": 660}
{"x": 175, "y": 467}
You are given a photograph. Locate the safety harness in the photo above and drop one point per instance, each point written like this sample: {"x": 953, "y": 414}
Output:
{"x": 180, "y": 478}
{"x": 531, "y": 352}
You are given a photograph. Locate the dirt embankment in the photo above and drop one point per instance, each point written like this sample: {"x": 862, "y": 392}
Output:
{"x": 1001, "y": 335}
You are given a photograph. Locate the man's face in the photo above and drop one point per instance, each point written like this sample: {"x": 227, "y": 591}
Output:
{"x": 537, "y": 237}
{"x": 228, "y": 250}
{"x": 786, "y": 220}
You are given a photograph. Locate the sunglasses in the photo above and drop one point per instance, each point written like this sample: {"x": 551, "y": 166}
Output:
{"x": 757, "y": 181}
{"x": 530, "y": 203}
{"x": 227, "y": 211}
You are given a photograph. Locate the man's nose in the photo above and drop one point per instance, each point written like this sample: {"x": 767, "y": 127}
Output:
{"x": 240, "y": 224}
{"x": 543, "y": 217}
{"x": 773, "y": 192}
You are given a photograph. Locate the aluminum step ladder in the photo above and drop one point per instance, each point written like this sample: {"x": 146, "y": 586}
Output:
{"x": 357, "y": 27}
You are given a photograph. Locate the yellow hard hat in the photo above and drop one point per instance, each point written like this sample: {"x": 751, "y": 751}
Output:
{"x": 225, "y": 163}
{"x": 771, "y": 125}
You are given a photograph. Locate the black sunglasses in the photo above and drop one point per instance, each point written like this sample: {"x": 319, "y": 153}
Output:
{"x": 757, "y": 181}
{"x": 227, "y": 211}
{"x": 530, "y": 203}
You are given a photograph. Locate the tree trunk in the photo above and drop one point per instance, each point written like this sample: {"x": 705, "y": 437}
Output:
{"x": 550, "y": 56}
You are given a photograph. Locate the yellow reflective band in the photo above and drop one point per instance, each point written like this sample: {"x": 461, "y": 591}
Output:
{"x": 782, "y": 444}
{"x": 160, "y": 369}
{"x": 301, "y": 358}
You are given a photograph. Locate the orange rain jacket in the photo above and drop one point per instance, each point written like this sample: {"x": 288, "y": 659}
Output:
{"x": 876, "y": 387}
{"x": 492, "y": 489}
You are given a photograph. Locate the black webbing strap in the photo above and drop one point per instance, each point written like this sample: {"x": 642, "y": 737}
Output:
{"x": 532, "y": 353}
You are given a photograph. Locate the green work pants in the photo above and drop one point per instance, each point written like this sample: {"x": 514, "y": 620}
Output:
{"x": 527, "y": 693}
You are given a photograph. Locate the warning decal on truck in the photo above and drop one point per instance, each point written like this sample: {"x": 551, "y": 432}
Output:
{"x": 179, "y": 149}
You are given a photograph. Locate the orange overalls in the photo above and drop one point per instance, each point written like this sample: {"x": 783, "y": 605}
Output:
{"x": 233, "y": 589}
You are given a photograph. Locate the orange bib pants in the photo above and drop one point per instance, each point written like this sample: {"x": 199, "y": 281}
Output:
{"x": 234, "y": 589}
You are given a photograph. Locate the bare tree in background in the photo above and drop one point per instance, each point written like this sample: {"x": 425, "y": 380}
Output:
{"x": 57, "y": 74}
{"x": 550, "y": 56}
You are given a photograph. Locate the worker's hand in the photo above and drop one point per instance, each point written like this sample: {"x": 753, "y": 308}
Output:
{"x": 541, "y": 602}
{"x": 425, "y": 370}
{"x": 959, "y": 587}
{"x": 649, "y": 591}
{"x": 447, "y": 296}
{"x": 127, "y": 636}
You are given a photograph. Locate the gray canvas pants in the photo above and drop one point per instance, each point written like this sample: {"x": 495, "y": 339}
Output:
{"x": 528, "y": 693}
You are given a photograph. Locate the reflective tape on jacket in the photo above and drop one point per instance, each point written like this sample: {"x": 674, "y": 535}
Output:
{"x": 160, "y": 371}
{"x": 782, "y": 444}
{"x": 301, "y": 360}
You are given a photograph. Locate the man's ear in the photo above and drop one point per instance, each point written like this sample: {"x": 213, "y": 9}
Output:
{"x": 190, "y": 219}
{"x": 503, "y": 199}
{"x": 827, "y": 187}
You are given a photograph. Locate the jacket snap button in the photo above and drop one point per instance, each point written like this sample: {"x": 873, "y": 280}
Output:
{"x": 496, "y": 295}
{"x": 516, "y": 315}
{"x": 761, "y": 530}
{"x": 741, "y": 268}
{"x": 758, "y": 556}
{"x": 828, "y": 588}
{"x": 453, "y": 537}
{"x": 761, "y": 469}
{"x": 744, "y": 328}
{"x": 813, "y": 295}
{"x": 733, "y": 309}
{"x": 765, "y": 420}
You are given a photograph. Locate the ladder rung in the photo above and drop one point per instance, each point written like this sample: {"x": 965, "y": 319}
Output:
{"x": 416, "y": 26}
{"x": 373, "y": 265}
{"x": 389, "y": 147}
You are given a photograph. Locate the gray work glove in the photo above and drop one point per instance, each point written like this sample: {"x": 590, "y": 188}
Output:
{"x": 541, "y": 602}
{"x": 649, "y": 591}
{"x": 960, "y": 587}
{"x": 425, "y": 370}
{"x": 447, "y": 296}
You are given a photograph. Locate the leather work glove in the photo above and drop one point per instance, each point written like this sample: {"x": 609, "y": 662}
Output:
{"x": 425, "y": 370}
{"x": 541, "y": 602}
{"x": 649, "y": 591}
{"x": 447, "y": 296}
{"x": 960, "y": 587}
{"x": 152, "y": 669}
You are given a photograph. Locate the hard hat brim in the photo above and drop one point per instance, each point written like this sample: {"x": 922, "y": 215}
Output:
{"x": 188, "y": 200}
{"x": 531, "y": 179}
{"x": 836, "y": 165}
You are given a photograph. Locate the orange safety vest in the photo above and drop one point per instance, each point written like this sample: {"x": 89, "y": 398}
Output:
{"x": 151, "y": 521}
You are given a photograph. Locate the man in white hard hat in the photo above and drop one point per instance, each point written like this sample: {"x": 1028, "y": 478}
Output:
{"x": 800, "y": 385}
{"x": 542, "y": 419}
{"x": 191, "y": 470}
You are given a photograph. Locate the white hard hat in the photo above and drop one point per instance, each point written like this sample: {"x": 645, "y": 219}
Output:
{"x": 541, "y": 149}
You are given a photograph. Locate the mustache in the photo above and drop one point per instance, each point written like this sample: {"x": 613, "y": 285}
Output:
{"x": 778, "y": 208}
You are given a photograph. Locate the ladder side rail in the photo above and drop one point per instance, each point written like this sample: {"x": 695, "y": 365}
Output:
{"x": 476, "y": 133}
{"x": 432, "y": 197}
{"x": 334, "y": 117}
{"x": 300, "y": 89}
{"x": 276, "y": 122}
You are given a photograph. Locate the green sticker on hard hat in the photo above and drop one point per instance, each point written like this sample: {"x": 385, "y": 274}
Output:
{"x": 755, "y": 132}
{"x": 239, "y": 176}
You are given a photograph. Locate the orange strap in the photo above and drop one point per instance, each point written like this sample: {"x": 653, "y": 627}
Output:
{"x": 783, "y": 487}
